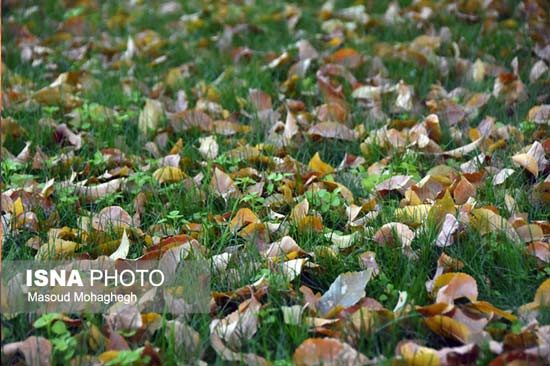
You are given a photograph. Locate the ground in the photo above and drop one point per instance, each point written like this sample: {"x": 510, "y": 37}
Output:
{"x": 366, "y": 182}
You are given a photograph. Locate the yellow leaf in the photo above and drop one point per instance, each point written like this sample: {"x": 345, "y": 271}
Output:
{"x": 486, "y": 221}
{"x": 448, "y": 328}
{"x": 527, "y": 162}
{"x": 310, "y": 223}
{"x": 413, "y": 215}
{"x": 415, "y": 355}
{"x": 108, "y": 356}
{"x": 58, "y": 248}
{"x": 319, "y": 166}
{"x": 486, "y": 307}
{"x": 542, "y": 296}
{"x": 168, "y": 174}
{"x": 442, "y": 207}
{"x": 18, "y": 208}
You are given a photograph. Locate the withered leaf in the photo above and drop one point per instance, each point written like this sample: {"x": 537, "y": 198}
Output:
{"x": 328, "y": 352}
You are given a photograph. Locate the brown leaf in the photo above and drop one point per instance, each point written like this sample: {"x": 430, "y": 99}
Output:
{"x": 123, "y": 316}
{"x": 56, "y": 249}
{"x": 300, "y": 210}
{"x": 463, "y": 191}
{"x": 223, "y": 184}
{"x": 529, "y": 233}
{"x": 347, "y": 57}
{"x": 328, "y": 352}
{"x": 390, "y": 232}
{"x": 64, "y": 134}
{"x": 36, "y": 350}
{"x": 238, "y": 326}
{"x": 332, "y": 130}
{"x": 260, "y": 100}
{"x": 399, "y": 183}
{"x": 187, "y": 343}
{"x": 539, "y": 114}
{"x": 112, "y": 217}
{"x": 540, "y": 250}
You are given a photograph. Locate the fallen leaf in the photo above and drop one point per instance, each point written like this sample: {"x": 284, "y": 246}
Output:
{"x": 453, "y": 285}
{"x": 319, "y": 166}
{"x": 187, "y": 342}
{"x": 345, "y": 291}
{"x": 56, "y": 249}
{"x": 463, "y": 191}
{"x": 112, "y": 217}
{"x": 332, "y": 130}
{"x": 464, "y": 150}
{"x": 413, "y": 215}
{"x": 64, "y": 134}
{"x": 168, "y": 174}
{"x": 399, "y": 183}
{"x": 238, "y": 326}
{"x": 150, "y": 116}
{"x": 208, "y": 148}
{"x": 223, "y": 184}
{"x": 448, "y": 327}
{"x": 300, "y": 211}
{"x": 502, "y": 175}
{"x": 328, "y": 352}
{"x": 449, "y": 227}
{"x": 415, "y": 355}
{"x": 123, "y": 248}
{"x": 37, "y": 351}
{"x": 242, "y": 218}
{"x": 486, "y": 221}
{"x": 539, "y": 114}
{"x": 394, "y": 233}
{"x": 527, "y": 162}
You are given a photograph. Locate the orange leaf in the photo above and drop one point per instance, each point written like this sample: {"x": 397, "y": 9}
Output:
{"x": 242, "y": 218}
{"x": 464, "y": 190}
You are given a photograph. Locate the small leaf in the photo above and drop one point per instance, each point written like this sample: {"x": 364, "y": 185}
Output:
{"x": 123, "y": 249}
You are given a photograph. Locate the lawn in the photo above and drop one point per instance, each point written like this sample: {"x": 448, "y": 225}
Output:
{"x": 362, "y": 182}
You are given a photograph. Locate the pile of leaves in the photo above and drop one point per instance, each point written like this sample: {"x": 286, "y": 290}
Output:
{"x": 369, "y": 181}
